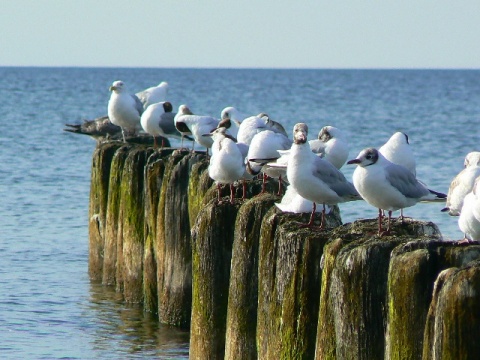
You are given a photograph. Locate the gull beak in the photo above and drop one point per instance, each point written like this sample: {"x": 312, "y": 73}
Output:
{"x": 208, "y": 134}
{"x": 354, "y": 161}
{"x": 111, "y": 88}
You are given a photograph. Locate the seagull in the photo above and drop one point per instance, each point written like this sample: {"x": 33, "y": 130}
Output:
{"x": 265, "y": 145}
{"x": 469, "y": 220}
{"x": 153, "y": 94}
{"x": 231, "y": 118}
{"x": 99, "y": 129}
{"x": 196, "y": 125}
{"x": 398, "y": 151}
{"x": 124, "y": 109}
{"x": 157, "y": 120}
{"x": 255, "y": 124}
{"x": 227, "y": 162}
{"x": 388, "y": 186}
{"x": 314, "y": 178}
{"x": 331, "y": 145}
{"x": 462, "y": 184}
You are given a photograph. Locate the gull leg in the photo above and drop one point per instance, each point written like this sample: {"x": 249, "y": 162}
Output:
{"x": 219, "y": 189}
{"x": 155, "y": 145}
{"x": 380, "y": 215}
{"x": 232, "y": 193}
{"x": 323, "y": 217}
{"x": 279, "y": 185}
{"x": 264, "y": 182}
{"x": 244, "y": 185}
{"x": 123, "y": 135}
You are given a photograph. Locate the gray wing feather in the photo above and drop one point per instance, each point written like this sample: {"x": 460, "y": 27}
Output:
{"x": 334, "y": 178}
{"x": 404, "y": 181}
{"x": 138, "y": 104}
{"x": 167, "y": 124}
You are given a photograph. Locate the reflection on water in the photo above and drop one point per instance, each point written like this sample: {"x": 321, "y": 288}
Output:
{"x": 128, "y": 327}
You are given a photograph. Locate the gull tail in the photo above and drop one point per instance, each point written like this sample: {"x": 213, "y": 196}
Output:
{"x": 434, "y": 196}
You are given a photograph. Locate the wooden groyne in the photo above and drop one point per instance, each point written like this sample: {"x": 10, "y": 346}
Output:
{"x": 249, "y": 283}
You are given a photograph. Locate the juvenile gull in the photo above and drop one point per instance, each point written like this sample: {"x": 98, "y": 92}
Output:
{"x": 462, "y": 184}
{"x": 157, "y": 120}
{"x": 469, "y": 220}
{"x": 124, "y": 109}
{"x": 99, "y": 129}
{"x": 314, "y": 178}
{"x": 388, "y": 186}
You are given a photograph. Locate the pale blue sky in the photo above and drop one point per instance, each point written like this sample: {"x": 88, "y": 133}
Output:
{"x": 286, "y": 34}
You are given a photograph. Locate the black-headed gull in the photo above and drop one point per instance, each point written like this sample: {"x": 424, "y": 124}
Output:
{"x": 331, "y": 145}
{"x": 469, "y": 220}
{"x": 154, "y": 94}
{"x": 462, "y": 184}
{"x": 124, "y": 109}
{"x": 388, "y": 186}
{"x": 157, "y": 120}
{"x": 188, "y": 123}
{"x": 227, "y": 162}
{"x": 314, "y": 178}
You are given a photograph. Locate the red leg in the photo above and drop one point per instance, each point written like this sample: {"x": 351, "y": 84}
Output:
{"x": 244, "y": 189}
{"x": 232, "y": 193}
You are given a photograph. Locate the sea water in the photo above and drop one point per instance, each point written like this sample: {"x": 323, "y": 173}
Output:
{"x": 50, "y": 309}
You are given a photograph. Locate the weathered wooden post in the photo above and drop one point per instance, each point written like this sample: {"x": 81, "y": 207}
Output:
{"x": 243, "y": 292}
{"x": 154, "y": 174}
{"x": 453, "y": 320}
{"x": 289, "y": 285}
{"x": 355, "y": 302}
{"x": 132, "y": 217}
{"x": 112, "y": 233}
{"x": 414, "y": 268}
{"x": 173, "y": 248}
{"x": 99, "y": 185}
{"x": 212, "y": 239}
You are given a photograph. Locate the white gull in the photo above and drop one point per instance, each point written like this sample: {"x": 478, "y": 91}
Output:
{"x": 153, "y": 94}
{"x": 188, "y": 123}
{"x": 124, "y": 109}
{"x": 157, "y": 120}
{"x": 227, "y": 162}
{"x": 314, "y": 178}
{"x": 388, "y": 186}
{"x": 462, "y": 184}
{"x": 332, "y": 145}
{"x": 469, "y": 220}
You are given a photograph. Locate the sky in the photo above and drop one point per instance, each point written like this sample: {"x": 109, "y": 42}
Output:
{"x": 241, "y": 34}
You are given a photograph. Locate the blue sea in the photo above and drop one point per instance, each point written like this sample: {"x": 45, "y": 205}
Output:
{"x": 49, "y": 309}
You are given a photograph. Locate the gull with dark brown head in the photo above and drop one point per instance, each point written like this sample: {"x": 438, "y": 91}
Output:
{"x": 388, "y": 186}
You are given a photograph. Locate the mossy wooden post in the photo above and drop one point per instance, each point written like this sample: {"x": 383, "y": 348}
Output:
{"x": 154, "y": 171}
{"x": 212, "y": 239}
{"x": 132, "y": 216}
{"x": 357, "y": 293}
{"x": 174, "y": 249}
{"x": 414, "y": 267}
{"x": 289, "y": 285}
{"x": 111, "y": 222}
{"x": 199, "y": 184}
{"x": 243, "y": 292}
{"x": 101, "y": 162}
{"x": 454, "y": 315}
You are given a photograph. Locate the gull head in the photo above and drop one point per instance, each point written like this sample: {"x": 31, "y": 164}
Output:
{"x": 366, "y": 157}
{"x": 472, "y": 159}
{"x": 184, "y": 110}
{"x": 300, "y": 133}
{"x": 329, "y": 132}
{"x": 118, "y": 86}
{"x": 228, "y": 113}
{"x": 398, "y": 138}
{"x": 220, "y": 133}
{"x": 167, "y": 106}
